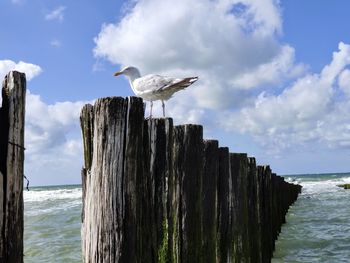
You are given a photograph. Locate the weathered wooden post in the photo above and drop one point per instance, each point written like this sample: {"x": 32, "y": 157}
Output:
{"x": 275, "y": 208}
{"x": 12, "y": 117}
{"x": 269, "y": 197}
{"x": 224, "y": 186}
{"x": 87, "y": 128}
{"x": 239, "y": 174}
{"x": 188, "y": 171}
{"x": 259, "y": 227}
{"x": 210, "y": 178}
{"x": 253, "y": 220}
{"x": 160, "y": 135}
{"x": 266, "y": 206}
{"x": 111, "y": 216}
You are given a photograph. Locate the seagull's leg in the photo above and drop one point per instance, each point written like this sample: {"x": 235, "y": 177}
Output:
{"x": 163, "y": 106}
{"x": 150, "y": 113}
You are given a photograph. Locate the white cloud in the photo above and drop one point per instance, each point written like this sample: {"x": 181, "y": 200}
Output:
{"x": 309, "y": 110}
{"x": 48, "y": 126}
{"x": 98, "y": 66}
{"x": 56, "y": 43}
{"x": 205, "y": 36}
{"x": 56, "y": 14}
{"x": 53, "y": 141}
{"x": 273, "y": 72}
{"x": 29, "y": 69}
{"x": 74, "y": 147}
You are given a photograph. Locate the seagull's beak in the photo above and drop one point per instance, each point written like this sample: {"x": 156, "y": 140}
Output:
{"x": 118, "y": 73}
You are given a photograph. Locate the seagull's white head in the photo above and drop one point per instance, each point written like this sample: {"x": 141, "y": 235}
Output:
{"x": 131, "y": 72}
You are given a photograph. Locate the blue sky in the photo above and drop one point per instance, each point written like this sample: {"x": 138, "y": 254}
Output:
{"x": 61, "y": 47}
{"x": 314, "y": 28}
{"x": 274, "y": 75}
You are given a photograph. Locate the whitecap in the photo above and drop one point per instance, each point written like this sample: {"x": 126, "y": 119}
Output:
{"x": 52, "y": 194}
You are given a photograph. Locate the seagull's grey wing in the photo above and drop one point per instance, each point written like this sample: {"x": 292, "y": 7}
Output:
{"x": 153, "y": 83}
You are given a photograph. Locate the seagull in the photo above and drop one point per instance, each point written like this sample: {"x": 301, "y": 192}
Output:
{"x": 154, "y": 87}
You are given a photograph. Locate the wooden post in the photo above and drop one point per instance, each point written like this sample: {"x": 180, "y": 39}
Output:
{"x": 12, "y": 118}
{"x": 160, "y": 133}
{"x": 239, "y": 174}
{"x": 258, "y": 208}
{"x": 253, "y": 221}
{"x": 188, "y": 169}
{"x": 224, "y": 186}
{"x": 174, "y": 226}
{"x": 87, "y": 128}
{"x": 210, "y": 177}
{"x": 269, "y": 197}
{"x": 111, "y": 227}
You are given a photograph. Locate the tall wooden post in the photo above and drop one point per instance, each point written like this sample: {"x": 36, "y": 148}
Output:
{"x": 239, "y": 174}
{"x": 210, "y": 178}
{"x": 224, "y": 185}
{"x": 160, "y": 133}
{"x": 188, "y": 169}
{"x": 253, "y": 221}
{"x": 111, "y": 222}
{"x": 12, "y": 116}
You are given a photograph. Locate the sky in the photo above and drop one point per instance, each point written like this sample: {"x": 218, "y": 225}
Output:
{"x": 274, "y": 76}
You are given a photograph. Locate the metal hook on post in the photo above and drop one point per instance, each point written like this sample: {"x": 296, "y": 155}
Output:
{"x": 17, "y": 145}
{"x": 27, "y": 187}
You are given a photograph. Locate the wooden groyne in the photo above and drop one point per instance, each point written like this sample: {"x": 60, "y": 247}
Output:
{"x": 12, "y": 113}
{"x": 155, "y": 192}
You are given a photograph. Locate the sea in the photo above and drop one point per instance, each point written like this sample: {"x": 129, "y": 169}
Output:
{"x": 317, "y": 227}
{"x": 318, "y": 224}
{"x": 52, "y": 221}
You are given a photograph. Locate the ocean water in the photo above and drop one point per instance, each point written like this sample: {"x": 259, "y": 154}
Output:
{"x": 52, "y": 224}
{"x": 318, "y": 224}
{"x": 317, "y": 228}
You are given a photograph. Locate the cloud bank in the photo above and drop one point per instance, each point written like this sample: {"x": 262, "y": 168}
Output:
{"x": 53, "y": 140}
{"x": 249, "y": 81}
{"x": 231, "y": 45}
{"x": 313, "y": 108}
{"x": 49, "y": 125}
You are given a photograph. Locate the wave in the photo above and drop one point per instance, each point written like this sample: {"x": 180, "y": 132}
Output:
{"x": 325, "y": 186}
{"x": 322, "y": 183}
{"x": 40, "y": 195}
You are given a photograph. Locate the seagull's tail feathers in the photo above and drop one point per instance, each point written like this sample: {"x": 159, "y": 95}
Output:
{"x": 190, "y": 80}
{"x": 184, "y": 83}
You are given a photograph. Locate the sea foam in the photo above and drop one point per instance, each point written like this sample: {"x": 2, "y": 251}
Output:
{"x": 52, "y": 194}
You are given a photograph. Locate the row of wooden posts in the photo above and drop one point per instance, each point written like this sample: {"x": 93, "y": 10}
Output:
{"x": 155, "y": 192}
